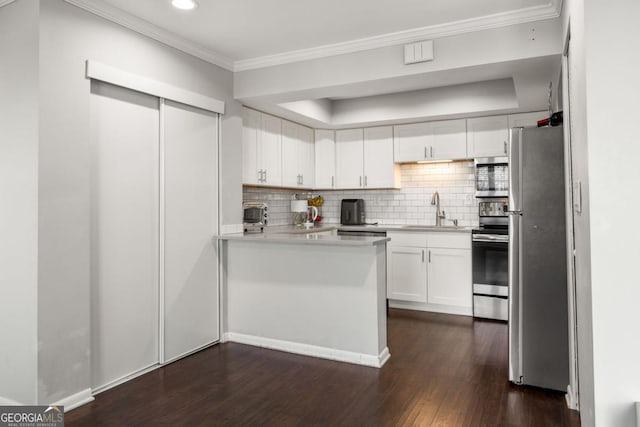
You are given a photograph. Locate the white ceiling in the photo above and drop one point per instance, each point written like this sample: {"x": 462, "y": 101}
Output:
{"x": 246, "y": 29}
{"x": 242, "y": 35}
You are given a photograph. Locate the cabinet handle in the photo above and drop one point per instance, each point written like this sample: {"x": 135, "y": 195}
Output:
{"x": 505, "y": 147}
{"x": 301, "y": 179}
{"x": 429, "y": 256}
{"x": 332, "y": 182}
{"x": 423, "y": 256}
{"x": 431, "y": 152}
{"x": 425, "y": 152}
{"x": 361, "y": 181}
{"x": 365, "y": 181}
{"x": 265, "y": 176}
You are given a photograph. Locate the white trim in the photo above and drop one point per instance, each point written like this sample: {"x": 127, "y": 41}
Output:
{"x": 311, "y": 350}
{"x": 161, "y": 234}
{"x": 231, "y": 228}
{"x": 535, "y": 13}
{"x": 98, "y": 71}
{"x": 124, "y": 379}
{"x": 6, "y": 2}
{"x": 5, "y": 401}
{"x": 72, "y": 402}
{"x": 120, "y": 17}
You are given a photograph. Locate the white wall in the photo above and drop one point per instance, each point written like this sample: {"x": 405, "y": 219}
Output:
{"x": 18, "y": 200}
{"x": 337, "y": 75}
{"x": 411, "y": 204}
{"x": 68, "y": 37}
{"x": 604, "y": 62}
{"x": 612, "y": 60}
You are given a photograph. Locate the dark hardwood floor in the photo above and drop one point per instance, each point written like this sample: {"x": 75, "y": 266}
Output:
{"x": 444, "y": 371}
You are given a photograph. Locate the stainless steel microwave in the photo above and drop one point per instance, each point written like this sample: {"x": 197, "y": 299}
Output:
{"x": 255, "y": 215}
{"x": 492, "y": 177}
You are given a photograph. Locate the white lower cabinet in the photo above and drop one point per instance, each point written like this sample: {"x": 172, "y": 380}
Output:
{"x": 430, "y": 271}
{"x": 407, "y": 273}
{"x": 449, "y": 278}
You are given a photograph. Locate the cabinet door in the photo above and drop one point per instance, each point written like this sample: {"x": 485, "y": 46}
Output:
{"x": 349, "y": 163}
{"x": 325, "y": 159}
{"x": 306, "y": 157}
{"x": 449, "y": 140}
{"x": 270, "y": 150}
{"x": 250, "y": 132}
{"x": 449, "y": 277}
{"x": 290, "y": 154}
{"x": 526, "y": 119}
{"x": 379, "y": 169}
{"x": 411, "y": 142}
{"x": 406, "y": 273}
{"x": 487, "y": 136}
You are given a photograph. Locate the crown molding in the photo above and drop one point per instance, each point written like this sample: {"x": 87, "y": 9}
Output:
{"x": 148, "y": 29}
{"x": 535, "y": 13}
{"x": 5, "y": 2}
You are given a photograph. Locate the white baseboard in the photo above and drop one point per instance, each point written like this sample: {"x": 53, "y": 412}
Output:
{"x": 571, "y": 398}
{"x": 71, "y": 402}
{"x": 445, "y": 309}
{"x": 311, "y": 350}
{"x": 5, "y": 401}
{"x": 225, "y": 337}
{"x": 124, "y": 379}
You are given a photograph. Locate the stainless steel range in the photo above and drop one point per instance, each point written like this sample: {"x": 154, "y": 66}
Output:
{"x": 490, "y": 254}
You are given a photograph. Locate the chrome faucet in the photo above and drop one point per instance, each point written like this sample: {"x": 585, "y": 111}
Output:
{"x": 435, "y": 200}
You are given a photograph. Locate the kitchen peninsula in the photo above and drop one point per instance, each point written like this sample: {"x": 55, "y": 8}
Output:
{"x": 317, "y": 294}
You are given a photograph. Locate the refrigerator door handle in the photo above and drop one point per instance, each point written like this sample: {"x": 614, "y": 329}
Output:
{"x": 515, "y": 301}
{"x": 514, "y": 154}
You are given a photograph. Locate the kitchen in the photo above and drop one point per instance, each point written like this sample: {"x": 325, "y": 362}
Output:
{"x": 59, "y": 181}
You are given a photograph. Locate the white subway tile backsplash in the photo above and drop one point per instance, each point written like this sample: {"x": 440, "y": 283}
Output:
{"x": 409, "y": 205}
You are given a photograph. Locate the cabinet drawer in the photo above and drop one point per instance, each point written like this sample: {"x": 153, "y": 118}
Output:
{"x": 449, "y": 240}
{"x": 490, "y": 307}
{"x": 417, "y": 240}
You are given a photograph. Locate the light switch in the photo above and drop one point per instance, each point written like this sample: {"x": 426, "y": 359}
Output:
{"x": 418, "y": 52}
{"x": 409, "y": 56}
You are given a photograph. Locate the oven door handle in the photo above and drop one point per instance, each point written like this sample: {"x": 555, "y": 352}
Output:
{"x": 490, "y": 238}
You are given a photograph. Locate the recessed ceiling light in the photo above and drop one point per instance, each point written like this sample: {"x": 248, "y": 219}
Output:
{"x": 184, "y": 4}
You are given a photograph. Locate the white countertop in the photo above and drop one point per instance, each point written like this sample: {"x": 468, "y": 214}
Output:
{"x": 299, "y": 235}
{"x": 317, "y": 236}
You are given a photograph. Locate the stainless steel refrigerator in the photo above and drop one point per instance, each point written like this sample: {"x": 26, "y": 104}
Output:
{"x": 538, "y": 327}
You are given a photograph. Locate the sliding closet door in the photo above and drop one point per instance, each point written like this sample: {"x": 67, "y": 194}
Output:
{"x": 190, "y": 161}
{"x": 124, "y": 233}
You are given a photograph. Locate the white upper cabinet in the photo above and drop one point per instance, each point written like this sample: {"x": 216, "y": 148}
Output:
{"x": 449, "y": 140}
{"x": 379, "y": 169}
{"x": 298, "y": 164}
{"x": 349, "y": 158}
{"x": 270, "y": 150}
{"x": 325, "y": 159}
{"x": 526, "y": 119}
{"x": 487, "y": 136}
{"x": 261, "y": 148}
{"x": 445, "y": 140}
{"x": 250, "y": 131}
{"x": 364, "y": 158}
